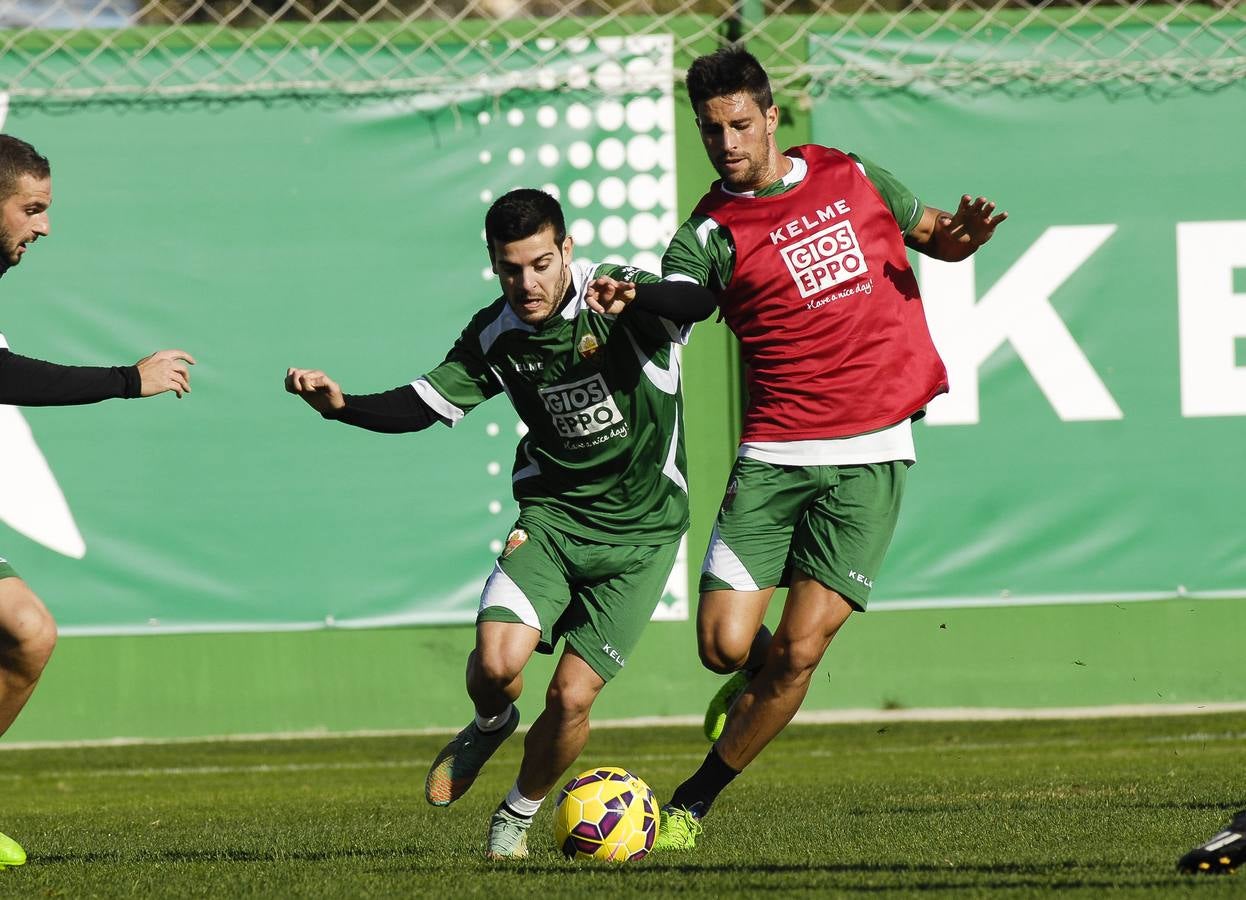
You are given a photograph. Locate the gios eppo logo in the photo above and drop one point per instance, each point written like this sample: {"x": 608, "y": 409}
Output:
{"x": 582, "y": 407}
{"x": 825, "y": 259}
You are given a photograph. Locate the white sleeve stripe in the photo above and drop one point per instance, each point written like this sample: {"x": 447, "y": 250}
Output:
{"x": 704, "y": 229}
{"x": 4, "y": 345}
{"x": 439, "y": 404}
{"x": 667, "y": 278}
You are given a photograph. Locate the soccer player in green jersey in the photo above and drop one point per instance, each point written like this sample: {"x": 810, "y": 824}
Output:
{"x": 806, "y": 253}
{"x": 600, "y": 480}
{"x": 27, "y": 629}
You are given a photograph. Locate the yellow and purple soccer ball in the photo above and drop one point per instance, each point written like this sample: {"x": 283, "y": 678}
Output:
{"x": 606, "y": 813}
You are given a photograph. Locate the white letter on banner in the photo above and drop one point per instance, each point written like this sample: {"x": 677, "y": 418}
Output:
{"x": 1211, "y": 317}
{"x": 1016, "y": 309}
{"x": 31, "y": 501}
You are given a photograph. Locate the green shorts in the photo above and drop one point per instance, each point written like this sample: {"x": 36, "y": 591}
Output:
{"x": 6, "y": 570}
{"x": 598, "y": 596}
{"x": 833, "y": 523}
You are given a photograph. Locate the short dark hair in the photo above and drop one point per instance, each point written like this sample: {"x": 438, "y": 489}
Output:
{"x": 522, "y": 213}
{"x": 728, "y": 71}
{"x": 18, "y": 158}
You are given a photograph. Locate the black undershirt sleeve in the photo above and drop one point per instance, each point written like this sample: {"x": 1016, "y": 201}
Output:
{"x": 399, "y": 411}
{"x": 402, "y": 410}
{"x": 32, "y": 382}
{"x": 682, "y": 302}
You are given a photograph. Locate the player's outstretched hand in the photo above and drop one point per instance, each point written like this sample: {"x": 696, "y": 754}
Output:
{"x": 319, "y": 390}
{"x": 973, "y": 223}
{"x": 605, "y": 295}
{"x": 165, "y": 370}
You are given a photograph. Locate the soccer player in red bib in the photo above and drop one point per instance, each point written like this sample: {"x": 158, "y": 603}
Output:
{"x": 806, "y": 251}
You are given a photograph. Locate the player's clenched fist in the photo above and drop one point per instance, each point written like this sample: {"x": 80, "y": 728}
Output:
{"x": 165, "y": 370}
{"x": 319, "y": 390}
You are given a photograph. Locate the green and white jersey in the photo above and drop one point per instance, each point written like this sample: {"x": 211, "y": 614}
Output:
{"x": 603, "y": 456}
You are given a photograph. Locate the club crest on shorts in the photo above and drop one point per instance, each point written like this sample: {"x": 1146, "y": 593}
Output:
{"x": 513, "y": 541}
{"x": 588, "y": 346}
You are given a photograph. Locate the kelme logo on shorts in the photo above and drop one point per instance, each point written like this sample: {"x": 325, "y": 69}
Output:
{"x": 733, "y": 487}
{"x": 613, "y": 654}
{"x": 861, "y": 577}
{"x": 823, "y": 260}
{"x": 514, "y": 541}
{"x": 582, "y": 407}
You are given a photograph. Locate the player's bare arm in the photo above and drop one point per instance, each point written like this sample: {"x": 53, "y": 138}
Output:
{"x": 952, "y": 237}
{"x": 320, "y": 391}
{"x": 165, "y": 370}
{"x": 609, "y": 296}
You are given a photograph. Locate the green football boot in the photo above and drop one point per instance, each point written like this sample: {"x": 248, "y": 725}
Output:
{"x": 508, "y": 835}
{"x": 11, "y": 852}
{"x": 677, "y": 829}
{"x": 460, "y": 761}
{"x": 720, "y": 704}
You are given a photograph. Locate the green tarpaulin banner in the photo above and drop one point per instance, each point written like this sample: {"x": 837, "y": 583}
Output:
{"x": 1091, "y": 446}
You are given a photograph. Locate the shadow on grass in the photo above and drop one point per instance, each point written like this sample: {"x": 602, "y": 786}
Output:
{"x": 655, "y": 875}
{"x": 1226, "y": 808}
{"x": 240, "y": 856}
{"x": 1038, "y": 803}
{"x": 846, "y": 877}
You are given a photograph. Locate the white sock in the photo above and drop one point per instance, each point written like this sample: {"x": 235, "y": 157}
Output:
{"x": 521, "y": 805}
{"x": 493, "y": 723}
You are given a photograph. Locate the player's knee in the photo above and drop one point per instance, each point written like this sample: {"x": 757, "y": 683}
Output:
{"x": 569, "y": 700}
{"x": 793, "y": 662}
{"x": 43, "y": 641}
{"x": 724, "y": 650}
{"x": 30, "y": 635}
{"x": 721, "y": 660}
{"x": 496, "y": 669}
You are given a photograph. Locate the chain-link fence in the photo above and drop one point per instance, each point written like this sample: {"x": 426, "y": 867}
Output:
{"x": 82, "y": 50}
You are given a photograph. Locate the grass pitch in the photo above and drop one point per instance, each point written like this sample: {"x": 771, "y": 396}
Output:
{"x": 1083, "y": 809}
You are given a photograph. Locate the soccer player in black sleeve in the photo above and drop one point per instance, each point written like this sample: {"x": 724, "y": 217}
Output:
{"x": 27, "y": 629}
